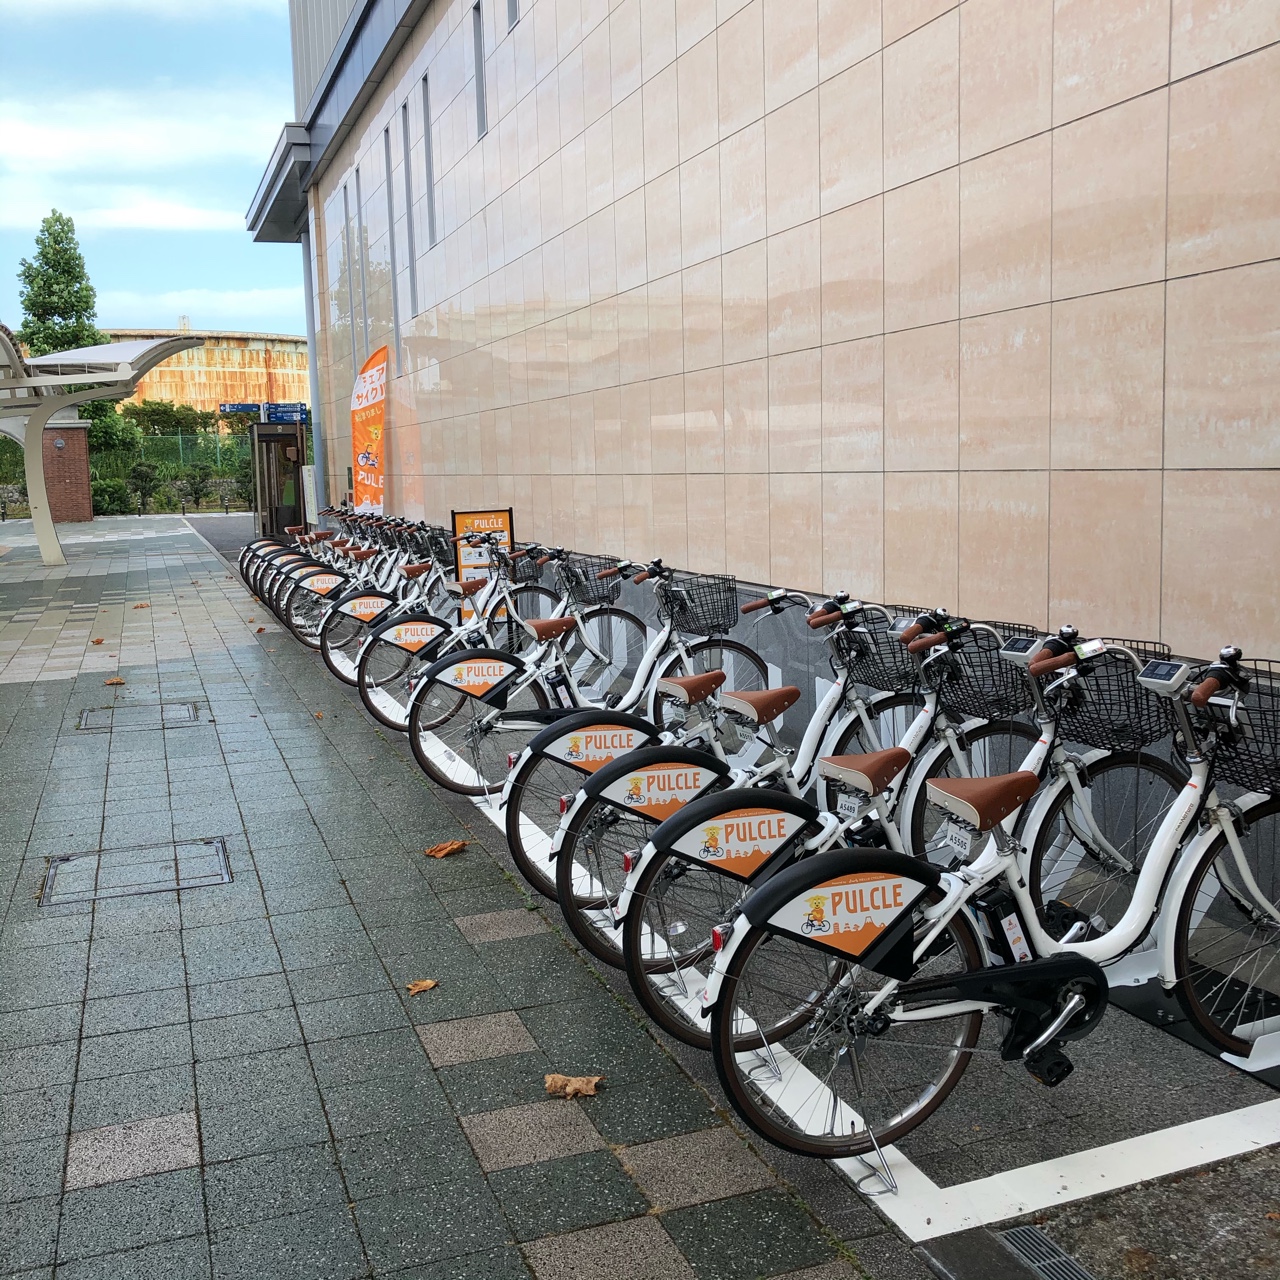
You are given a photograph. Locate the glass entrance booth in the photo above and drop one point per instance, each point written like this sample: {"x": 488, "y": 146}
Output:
{"x": 279, "y": 452}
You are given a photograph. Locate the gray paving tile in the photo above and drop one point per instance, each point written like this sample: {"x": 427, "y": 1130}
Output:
{"x": 555, "y": 1196}
{"x": 35, "y": 1113}
{"x": 333, "y": 981}
{"x": 124, "y": 1215}
{"x": 469, "y": 1039}
{"x": 28, "y": 1231}
{"x": 274, "y": 1185}
{"x": 240, "y": 995}
{"x": 132, "y": 1150}
{"x": 396, "y": 1160}
{"x": 30, "y": 1169}
{"x": 493, "y": 1264}
{"x": 36, "y": 1066}
{"x": 46, "y": 1024}
{"x": 695, "y": 1167}
{"x": 629, "y": 1112}
{"x": 124, "y": 979}
{"x": 124, "y": 1052}
{"x": 498, "y": 926}
{"x": 244, "y": 1033}
{"x": 111, "y": 1100}
{"x": 527, "y": 1134}
{"x": 380, "y": 1055}
{"x": 186, "y": 1259}
{"x": 409, "y": 1230}
{"x": 394, "y": 1102}
{"x": 594, "y": 1254}
{"x": 352, "y": 1016}
{"x": 135, "y": 1012}
{"x": 493, "y": 1083}
{"x": 304, "y": 1246}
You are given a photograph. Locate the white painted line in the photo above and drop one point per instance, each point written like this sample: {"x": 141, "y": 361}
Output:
{"x": 923, "y": 1210}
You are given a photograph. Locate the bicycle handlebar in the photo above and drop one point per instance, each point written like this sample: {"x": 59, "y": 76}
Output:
{"x": 543, "y": 560}
{"x": 921, "y": 643}
{"x": 1205, "y": 690}
{"x": 1046, "y": 660}
{"x": 909, "y": 633}
{"x": 752, "y": 605}
{"x": 816, "y": 620}
{"x": 643, "y": 576}
{"x": 609, "y": 573}
{"x": 517, "y": 555}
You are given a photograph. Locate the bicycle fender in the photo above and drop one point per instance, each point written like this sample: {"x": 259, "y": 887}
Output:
{"x": 850, "y": 903}
{"x": 364, "y": 604}
{"x": 736, "y": 831}
{"x": 655, "y": 782}
{"x": 322, "y": 581}
{"x": 411, "y": 632}
{"x": 486, "y": 674}
{"x": 588, "y": 739}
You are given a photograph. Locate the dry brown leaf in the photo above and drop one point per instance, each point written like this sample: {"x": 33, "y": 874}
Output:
{"x": 114, "y": 680}
{"x": 99, "y": 640}
{"x": 559, "y": 1086}
{"x": 444, "y": 849}
{"x": 417, "y": 987}
{"x": 319, "y": 715}
{"x": 261, "y": 630}
{"x": 1273, "y": 1217}
{"x": 143, "y": 605}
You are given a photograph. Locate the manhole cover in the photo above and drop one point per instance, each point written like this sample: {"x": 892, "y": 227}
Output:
{"x": 162, "y": 715}
{"x": 1042, "y": 1255}
{"x": 121, "y": 873}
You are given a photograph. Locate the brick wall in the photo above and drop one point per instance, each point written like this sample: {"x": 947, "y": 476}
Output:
{"x": 66, "y": 473}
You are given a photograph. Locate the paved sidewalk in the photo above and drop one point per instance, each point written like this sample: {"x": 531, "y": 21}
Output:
{"x": 231, "y": 1080}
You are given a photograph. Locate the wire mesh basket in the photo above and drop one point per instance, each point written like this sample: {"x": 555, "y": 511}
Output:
{"x": 578, "y": 573}
{"x": 972, "y": 679}
{"x": 700, "y": 604}
{"x": 526, "y": 568}
{"x": 1248, "y": 751}
{"x": 439, "y": 546}
{"x": 1010, "y": 629}
{"x": 872, "y": 653}
{"x": 1107, "y": 707}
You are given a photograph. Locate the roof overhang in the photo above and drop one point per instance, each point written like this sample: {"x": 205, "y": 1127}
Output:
{"x": 278, "y": 212}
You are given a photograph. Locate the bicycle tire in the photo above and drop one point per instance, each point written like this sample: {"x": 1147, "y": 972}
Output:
{"x": 923, "y": 821}
{"x": 1049, "y": 878}
{"x": 1197, "y": 978}
{"x": 450, "y": 728}
{"x": 305, "y": 614}
{"x": 853, "y": 739}
{"x": 547, "y": 771}
{"x": 343, "y": 634}
{"x": 400, "y": 665}
{"x": 968, "y": 953}
{"x": 615, "y": 678}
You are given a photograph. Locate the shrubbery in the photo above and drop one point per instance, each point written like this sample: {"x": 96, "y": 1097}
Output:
{"x": 112, "y": 498}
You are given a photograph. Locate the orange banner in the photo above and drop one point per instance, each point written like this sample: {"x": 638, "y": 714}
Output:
{"x": 368, "y": 437}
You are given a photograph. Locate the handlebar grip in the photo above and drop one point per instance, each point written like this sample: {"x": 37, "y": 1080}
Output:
{"x": 543, "y": 560}
{"x": 752, "y": 605}
{"x": 609, "y": 573}
{"x": 516, "y": 555}
{"x": 1205, "y": 690}
{"x": 462, "y": 537}
{"x": 641, "y": 577}
{"x": 921, "y": 643}
{"x": 817, "y": 620}
{"x": 909, "y": 633}
{"x": 1046, "y": 660}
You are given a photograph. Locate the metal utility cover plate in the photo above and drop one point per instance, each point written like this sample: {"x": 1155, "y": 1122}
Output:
{"x": 122, "y": 873}
{"x": 163, "y": 715}
{"x": 1043, "y": 1255}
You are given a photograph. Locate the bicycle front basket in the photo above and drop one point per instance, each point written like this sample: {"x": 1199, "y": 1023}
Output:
{"x": 1248, "y": 752}
{"x": 1107, "y": 707}
{"x": 873, "y": 654}
{"x": 702, "y": 604}
{"x": 527, "y": 568}
{"x": 579, "y": 576}
{"x": 972, "y": 679}
{"x": 439, "y": 547}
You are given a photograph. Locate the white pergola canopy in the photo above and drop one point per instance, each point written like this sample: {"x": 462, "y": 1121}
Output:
{"x": 32, "y": 391}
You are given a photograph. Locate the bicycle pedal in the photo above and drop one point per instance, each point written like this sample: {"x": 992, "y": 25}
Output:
{"x": 1050, "y": 1066}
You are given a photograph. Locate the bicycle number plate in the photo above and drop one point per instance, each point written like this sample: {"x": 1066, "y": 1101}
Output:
{"x": 954, "y": 836}
{"x": 846, "y": 805}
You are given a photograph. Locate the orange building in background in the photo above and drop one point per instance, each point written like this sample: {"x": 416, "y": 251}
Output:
{"x": 231, "y": 368}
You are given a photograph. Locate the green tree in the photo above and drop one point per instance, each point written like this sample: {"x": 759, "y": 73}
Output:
{"x": 198, "y": 483}
{"x": 163, "y": 418}
{"x": 109, "y": 429}
{"x": 58, "y": 302}
{"x": 144, "y": 480}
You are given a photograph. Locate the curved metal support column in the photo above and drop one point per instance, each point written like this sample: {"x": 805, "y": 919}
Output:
{"x": 37, "y": 496}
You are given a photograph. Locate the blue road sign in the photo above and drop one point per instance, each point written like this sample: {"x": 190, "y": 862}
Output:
{"x": 285, "y": 405}
{"x": 290, "y": 415}
{"x": 238, "y": 408}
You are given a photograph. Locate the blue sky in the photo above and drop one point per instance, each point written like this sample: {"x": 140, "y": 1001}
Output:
{"x": 150, "y": 126}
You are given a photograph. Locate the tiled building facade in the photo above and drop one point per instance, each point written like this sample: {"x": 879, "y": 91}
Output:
{"x": 974, "y": 304}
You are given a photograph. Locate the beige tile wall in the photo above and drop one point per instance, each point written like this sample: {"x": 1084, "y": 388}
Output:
{"x": 975, "y": 304}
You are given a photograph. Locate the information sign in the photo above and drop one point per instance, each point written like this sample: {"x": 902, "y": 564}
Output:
{"x": 474, "y": 562}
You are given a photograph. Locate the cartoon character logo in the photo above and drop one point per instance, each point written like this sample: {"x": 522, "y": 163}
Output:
{"x": 710, "y": 843}
{"x": 634, "y": 795}
{"x": 459, "y": 675}
{"x": 816, "y": 921}
{"x": 575, "y": 749}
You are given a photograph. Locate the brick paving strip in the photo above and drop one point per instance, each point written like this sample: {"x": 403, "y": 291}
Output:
{"x": 231, "y": 1081}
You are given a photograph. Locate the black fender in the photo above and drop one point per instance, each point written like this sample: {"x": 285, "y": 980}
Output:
{"x": 738, "y": 832}
{"x": 487, "y": 674}
{"x": 656, "y": 781}
{"x": 851, "y": 903}
{"x": 589, "y": 740}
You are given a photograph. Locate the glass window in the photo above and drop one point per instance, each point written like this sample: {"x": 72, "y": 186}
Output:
{"x": 482, "y": 115}
{"x": 513, "y": 13}
{"x": 430, "y": 194}
{"x": 411, "y": 243}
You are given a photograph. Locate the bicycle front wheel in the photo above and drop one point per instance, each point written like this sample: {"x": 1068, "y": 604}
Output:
{"x": 1089, "y": 848}
{"x": 806, "y": 1070}
{"x": 1227, "y": 939}
{"x": 533, "y": 815}
{"x": 604, "y": 652}
{"x": 340, "y": 639}
{"x": 464, "y": 749}
{"x": 304, "y": 614}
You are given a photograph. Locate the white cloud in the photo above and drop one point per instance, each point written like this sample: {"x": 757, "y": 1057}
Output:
{"x": 278, "y": 310}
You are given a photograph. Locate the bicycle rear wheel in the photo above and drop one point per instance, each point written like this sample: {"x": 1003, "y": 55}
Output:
{"x": 604, "y": 652}
{"x": 340, "y": 639}
{"x": 1088, "y": 851}
{"x": 304, "y": 614}
{"x": 825, "y": 1078}
{"x": 533, "y": 814}
{"x": 1227, "y": 939}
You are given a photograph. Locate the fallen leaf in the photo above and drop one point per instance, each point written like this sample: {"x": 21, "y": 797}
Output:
{"x": 417, "y": 987}
{"x": 253, "y": 619}
{"x": 195, "y": 582}
{"x": 1273, "y": 1217}
{"x": 99, "y": 640}
{"x": 559, "y": 1086}
{"x": 319, "y": 715}
{"x": 143, "y": 605}
{"x": 114, "y": 680}
{"x": 260, "y": 630}
{"x": 445, "y": 848}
